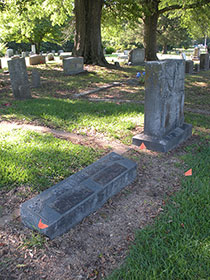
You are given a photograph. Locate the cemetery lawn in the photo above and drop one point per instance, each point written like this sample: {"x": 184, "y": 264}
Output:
{"x": 39, "y": 161}
{"x": 160, "y": 222}
{"x": 176, "y": 245}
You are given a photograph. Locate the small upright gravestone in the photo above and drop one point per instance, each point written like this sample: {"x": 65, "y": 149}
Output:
{"x": 164, "y": 126}
{"x": 33, "y": 48}
{"x": 196, "y": 54}
{"x": 73, "y": 65}
{"x": 35, "y": 79}
{"x": 19, "y": 78}
{"x": 136, "y": 56}
{"x": 9, "y": 52}
{"x": 204, "y": 61}
{"x": 188, "y": 66}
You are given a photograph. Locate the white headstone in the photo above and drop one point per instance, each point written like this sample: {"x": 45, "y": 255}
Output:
{"x": 33, "y": 48}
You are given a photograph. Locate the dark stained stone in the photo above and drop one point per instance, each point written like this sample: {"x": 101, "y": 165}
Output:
{"x": 57, "y": 209}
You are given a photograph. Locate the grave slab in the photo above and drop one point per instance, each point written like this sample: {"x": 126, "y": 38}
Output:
{"x": 59, "y": 208}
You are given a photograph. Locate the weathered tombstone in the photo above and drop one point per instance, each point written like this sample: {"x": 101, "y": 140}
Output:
{"x": 19, "y": 78}
{"x": 33, "y": 49}
{"x": 189, "y": 66}
{"x": 204, "y": 61}
{"x": 50, "y": 57}
{"x": 9, "y": 52}
{"x": 73, "y": 65}
{"x": 35, "y": 79}
{"x": 60, "y": 51}
{"x": 164, "y": 127}
{"x": 196, "y": 68}
{"x": 53, "y": 52}
{"x": 196, "y": 54}
{"x": 136, "y": 56}
{"x": 59, "y": 208}
{"x": 36, "y": 59}
{"x": 23, "y": 54}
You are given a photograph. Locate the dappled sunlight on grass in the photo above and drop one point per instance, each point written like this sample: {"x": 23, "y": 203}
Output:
{"x": 111, "y": 119}
{"x": 39, "y": 160}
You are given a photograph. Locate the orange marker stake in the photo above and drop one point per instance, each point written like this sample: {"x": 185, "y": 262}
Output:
{"x": 188, "y": 173}
{"x": 142, "y": 147}
{"x": 41, "y": 225}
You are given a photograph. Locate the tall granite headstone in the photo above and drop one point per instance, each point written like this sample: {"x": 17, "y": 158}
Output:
{"x": 19, "y": 78}
{"x": 204, "y": 61}
{"x": 164, "y": 127}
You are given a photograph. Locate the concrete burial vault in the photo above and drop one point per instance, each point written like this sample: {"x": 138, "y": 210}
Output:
{"x": 164, "y": 126}
{"x": 57, "y": 209}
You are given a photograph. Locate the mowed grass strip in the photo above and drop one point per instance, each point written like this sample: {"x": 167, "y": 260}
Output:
{"x": 39, "y": 161}
{"x": 177, "y": 245}
{"x": 83, "y": 117}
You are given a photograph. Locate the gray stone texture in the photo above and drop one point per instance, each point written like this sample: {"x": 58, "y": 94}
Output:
{"x": 136, "y": 56}
{"x": 19, "y": 78}
{"x": 9, "y": 52}
{"x": 65, "y": 204}
{"x": 204, "y": 61}
{"x": 36, "y": 59}
{"x": 35, "y": 79}
{"x": 73, "y": 65}
{"x": 164, "y": 126}
{"x": 196, "y": 67}
{"x": 189, "y": 66}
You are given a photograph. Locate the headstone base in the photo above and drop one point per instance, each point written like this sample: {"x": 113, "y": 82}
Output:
{"x": 166, "y": 143}
{"x": 59, "y": 208}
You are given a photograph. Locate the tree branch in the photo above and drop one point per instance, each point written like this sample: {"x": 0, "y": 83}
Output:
{"x": 178, "y": 7}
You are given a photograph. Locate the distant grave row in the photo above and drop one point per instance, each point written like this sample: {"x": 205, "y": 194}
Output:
{"x": 19, "y": 76}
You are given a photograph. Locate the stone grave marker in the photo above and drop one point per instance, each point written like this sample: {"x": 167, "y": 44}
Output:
{"x": 19, "y": 78}
{"x": 196, "y": 54}
{"x": 204, "y": 61}
{"x": 9, "y": 52}
{"x": 136, "y": 56}
{"x": 164, "y": 127}
{"x": 196, "y": 68}
{"x": 188, "y": 66}
{"x": 33, "y": 49}
{"x": 36, "y": 59}
{"x": 59, "y": 208}
{"x": 24, "y": 54}
{"x": 73, "y": 65}
{"x": 35, "y": 79}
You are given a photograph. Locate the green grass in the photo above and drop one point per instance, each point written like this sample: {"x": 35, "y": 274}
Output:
{"x": 113, "y": 120}
{"x": 39, "y": 161}
{"x": 177, "y": 245}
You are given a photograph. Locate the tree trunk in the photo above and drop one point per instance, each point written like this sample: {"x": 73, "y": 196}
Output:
{"x": 150, "y": 30}
{"x": 87, "y": 41}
